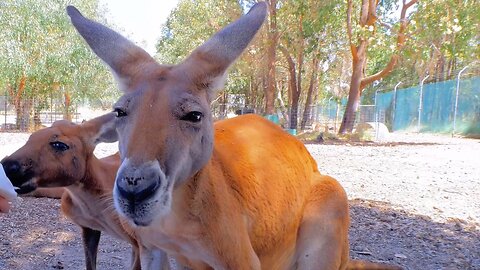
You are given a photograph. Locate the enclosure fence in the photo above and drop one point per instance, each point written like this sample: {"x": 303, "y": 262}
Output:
{"x": 30, "y": 113}
{"x": 435, "y": 107}
{"x": 451, "y": 106}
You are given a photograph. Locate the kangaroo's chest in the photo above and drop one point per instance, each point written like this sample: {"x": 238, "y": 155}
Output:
{"x": 93, "y": 211}
{"x": 181, "y": 241}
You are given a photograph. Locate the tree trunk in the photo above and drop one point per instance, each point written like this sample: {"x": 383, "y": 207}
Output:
{"x": 37, "y": 122}
{"x": 293, "y": 87}
{"x": 67, "y": 114}
{"x": 271, "y": 57}
{"x": 307, "y": 112}
{"x": 294, "y": 113}
{"x": 16, "y": 99}
{"x": 18, "y": 114}
{"x": 354, "y": 95}
{"x": 283, "y": 109}
{"x": 25, "y": 110}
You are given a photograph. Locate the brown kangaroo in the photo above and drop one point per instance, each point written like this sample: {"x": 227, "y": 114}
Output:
{"x": 62, "y": 156}
{"x": 240, "y": 194}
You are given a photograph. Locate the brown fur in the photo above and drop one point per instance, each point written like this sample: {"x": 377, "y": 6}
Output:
{"x": 54, "y": 193}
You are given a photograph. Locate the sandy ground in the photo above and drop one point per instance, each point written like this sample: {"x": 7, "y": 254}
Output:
{"x": 414, "y": 200}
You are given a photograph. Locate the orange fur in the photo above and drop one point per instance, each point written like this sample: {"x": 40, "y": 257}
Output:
{"x": 263, "y": 184}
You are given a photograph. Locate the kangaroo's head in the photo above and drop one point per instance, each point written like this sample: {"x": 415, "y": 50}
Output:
{"x": 163, "y": 119}
{"x": 57, "y": 156}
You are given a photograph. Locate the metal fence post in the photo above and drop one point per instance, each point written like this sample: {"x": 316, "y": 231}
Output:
{"x": 376, "y": 115}
{"x": 420, "y": 103}
{"x": 336, "y": 116}
{"x": 329, "y": 110}
{"x": 394, "y": 104}
{"x": 6, "y": 104}
{"x": 456, "y": 100}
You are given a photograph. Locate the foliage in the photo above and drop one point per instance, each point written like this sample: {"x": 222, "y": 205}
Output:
{"x": 190, "y": 24}
{"x": 42, "y": 57}
{"x": 444, "y": 38}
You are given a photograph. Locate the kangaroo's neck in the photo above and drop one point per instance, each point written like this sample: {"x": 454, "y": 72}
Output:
{"x": 99, "y": 176}
{"x": 204, "y": 190}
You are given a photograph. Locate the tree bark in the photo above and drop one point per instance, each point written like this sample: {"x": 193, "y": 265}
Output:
{"x": 298, "y": 89}
{"x": 307, "y": 112}
{"x": 293, "y": 87}
{"x": 37, "y": 122}
{"x": 354, "y": 95}
{"x": 271, "y": 58}
{"x": 67, "y": 114}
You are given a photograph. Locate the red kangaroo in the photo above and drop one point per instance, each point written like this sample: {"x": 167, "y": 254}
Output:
{"x": 62, "y": 156}
{"x": 238, "y": 194}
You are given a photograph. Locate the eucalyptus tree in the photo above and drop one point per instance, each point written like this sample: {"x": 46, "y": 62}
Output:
{"x": 365, "y": 28}
{"x": 271, "y": 51}
{"x": 325, "y": 42}
{"x": 310, "y": 32}
{"x": 41, "y": 57}
{"x": 446, "y": 36}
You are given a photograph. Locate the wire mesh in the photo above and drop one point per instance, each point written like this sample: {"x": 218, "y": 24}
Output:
{"x": 437, "y": 107}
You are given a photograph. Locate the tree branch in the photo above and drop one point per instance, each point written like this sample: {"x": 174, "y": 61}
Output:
{"x": 353, "y": 48}
{"x": 372, "y": 12}
{"x": 400, "y": 43}
{"x": 384, "y": 72}
{"x": 364, "y": 13}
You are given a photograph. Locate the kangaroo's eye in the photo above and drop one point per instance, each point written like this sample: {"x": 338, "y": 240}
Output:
{"x": 59, "y": 146}
{"x": 193, "y": 117}
{"x": 119, "y": 112}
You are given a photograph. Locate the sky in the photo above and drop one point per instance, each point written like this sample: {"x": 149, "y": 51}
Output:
{"x": 140, "y": 20}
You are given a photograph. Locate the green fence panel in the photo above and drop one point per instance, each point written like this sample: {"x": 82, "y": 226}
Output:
{"x": 468, "y": 111}
{"x": 438, "y": 107}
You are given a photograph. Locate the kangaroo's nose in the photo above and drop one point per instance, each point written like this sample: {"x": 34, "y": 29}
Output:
{"x": 11, "y": 167}
{"x": 138, "y": 182}
{"x": 134, "y": 191}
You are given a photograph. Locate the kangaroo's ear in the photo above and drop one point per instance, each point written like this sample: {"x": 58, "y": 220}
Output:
{"x": 124, "y": 58}
{"x": 101, "y": 129}
{"x": 208, "y": 63}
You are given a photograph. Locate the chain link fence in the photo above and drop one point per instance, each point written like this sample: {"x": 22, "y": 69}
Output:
{"x": 443, "y": 107}
{"x": 27, "y": 115}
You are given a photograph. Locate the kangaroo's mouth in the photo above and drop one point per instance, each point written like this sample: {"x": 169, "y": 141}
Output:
{"x": 25, "y": 187}
{"x": 143, "y": 210}
{"x": 139, "y": 213}
{"x": 23, "y": 183}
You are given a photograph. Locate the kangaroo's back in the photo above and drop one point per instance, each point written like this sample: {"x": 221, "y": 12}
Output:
{"x": 268, "y": 171}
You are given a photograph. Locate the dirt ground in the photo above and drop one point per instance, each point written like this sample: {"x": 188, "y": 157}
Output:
{"x": 414, "y": 201}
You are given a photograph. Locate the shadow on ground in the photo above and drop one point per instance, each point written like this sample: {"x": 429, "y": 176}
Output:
{"x": 381, "y": 233}
{"x": 35, "y": 235}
